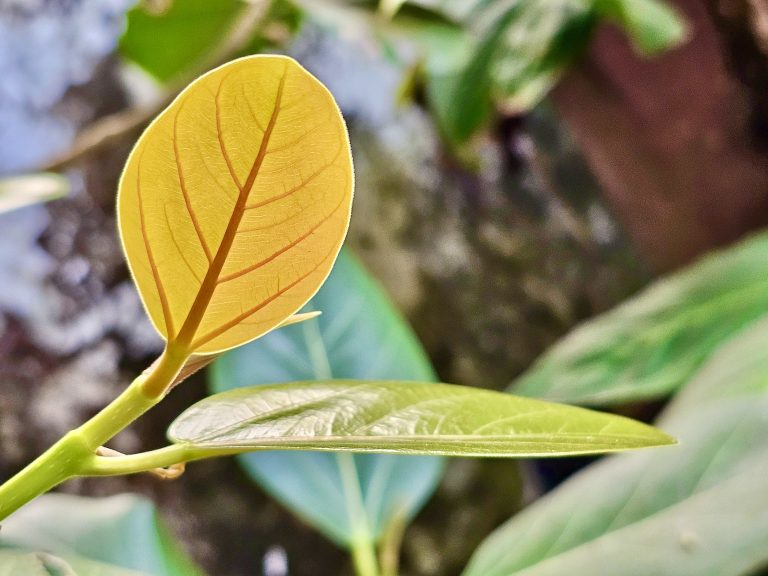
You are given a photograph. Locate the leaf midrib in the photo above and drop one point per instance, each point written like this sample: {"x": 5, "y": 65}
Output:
{"x": 205, "y": 293}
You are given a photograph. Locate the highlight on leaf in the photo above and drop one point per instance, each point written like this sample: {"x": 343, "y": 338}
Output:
{"x": 234, "y": 203}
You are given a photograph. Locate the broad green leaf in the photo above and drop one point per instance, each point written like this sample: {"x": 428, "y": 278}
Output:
{"x": 719, "y": 532}
{"x": 19, "y": 191}
{"x": 235, "y": 201}
{"x": 738, "y": 369}
{"x": 120, "y": 535}
{"x": 652, "y": 344}
{"x": 698, "y": 507}
{"x": 170, "y": 42}
{"x": 402, "y": 417}
{"x": 359, "y": 335}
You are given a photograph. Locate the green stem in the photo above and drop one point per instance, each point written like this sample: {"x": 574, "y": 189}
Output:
{"x": 145, "y": 461}
{"x": 73, "y": 455}
{"x": 364, "y": 557}
{"x": 362, "y": 545}
{"x": 60, "y": 462}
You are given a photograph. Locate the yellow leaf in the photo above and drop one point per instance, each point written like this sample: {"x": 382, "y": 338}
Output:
{"x": 235, "y": 201}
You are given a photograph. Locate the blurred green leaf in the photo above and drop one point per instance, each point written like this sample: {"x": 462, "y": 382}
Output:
{"x": 359, "y": 335}
{"x": 121, "y": 531}
{"x": 698, "y": 508}
{"x": 402, "y": 417}
{"x": 24, "y": 190}
{"x": 26, "y": 563}
{"x": 522, "y": 47}
{"x": 172, "y": 41}
{"x": 651, "y": 345}
{"x": 177, "y": 40}
{"x": 651, "y": 25}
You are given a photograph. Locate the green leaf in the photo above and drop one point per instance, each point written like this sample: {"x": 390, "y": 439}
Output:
{"x": 402, "y": 417}
{"x": 522, "y": 47}
{"x": 24, "y": 190}
{"x": 538, "y": 43}
{"x": 652, "y": 344}
{"x": 22, "y": 562}
{"x": 700, "y": 508}
{"x": 15, "y": 562}
{"x": 652, "y": 26}
{"x": 180, "y": 39}
{"x": 359, "y": 335}
{"x": 166, "y": 44}
{"x": 122, "y": 531}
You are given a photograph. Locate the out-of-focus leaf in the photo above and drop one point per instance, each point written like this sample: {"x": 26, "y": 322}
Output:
{"x": 359, "y": 335}
{"x": 653, "y": 26}
{"x": 73, "y": 565}
{"x": 737, "y": 370}
{"x": 19, "y": 191}
{"x": 168, "y": 43}
{"x": 522, "y": 47}
{"x": 390, "y": 7}
{"x": 171, "y": 42}
{"x": 402, "y": 417}
{"x": 699, "y": 508}
{"x": 20, "y": 562}
{"x": 652, "y": 344}
{"x": 121, "y": 531}
{"x": 538, "y": 43}
{"x": 234, "y": 203}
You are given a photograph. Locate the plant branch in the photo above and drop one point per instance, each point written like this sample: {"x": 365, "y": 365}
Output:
{"x": 75, "y": 453}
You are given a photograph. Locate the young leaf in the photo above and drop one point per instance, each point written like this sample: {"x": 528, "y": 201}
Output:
{"x": 402, "y": 417}
{"x": 698, "y": 507}
{"x": 360, "y": 335}
{"x": 235, "y": 201}
{"x": 653, "y": 343}
{"x": 121, "y": 531}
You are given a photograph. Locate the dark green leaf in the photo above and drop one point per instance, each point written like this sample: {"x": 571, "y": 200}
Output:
{"x": 185, "y": 36}
{"x": 699, "y": 508}
{"x": 121, "y": 531}
{"x": 173, "y": 41}
{"x": 652, "y": 344}
{"x": 359, "y": 335}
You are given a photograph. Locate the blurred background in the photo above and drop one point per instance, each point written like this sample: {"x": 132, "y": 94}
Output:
{"x": 522, "y": 168}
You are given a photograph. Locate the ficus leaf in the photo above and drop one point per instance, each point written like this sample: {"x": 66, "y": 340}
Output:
{"x": 653, "y": 343}
{"x": 360, "y": 335}
{"x": 402, "y": 417}
{"x": 235, "y": 202}
{"x": 118, "y": 536}
{"x": 700, "y": 507}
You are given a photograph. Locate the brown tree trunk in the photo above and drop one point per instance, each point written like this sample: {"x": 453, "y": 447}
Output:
{"x": 676, "y": 141}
